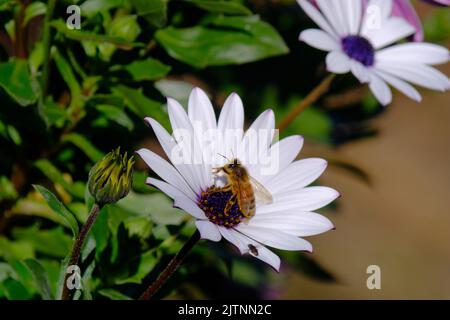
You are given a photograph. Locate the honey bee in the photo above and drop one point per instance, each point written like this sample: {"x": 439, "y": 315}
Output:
{"x": 244, "y": 188}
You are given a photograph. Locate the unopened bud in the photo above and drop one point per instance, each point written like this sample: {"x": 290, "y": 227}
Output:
{"x": 111, "y": 178}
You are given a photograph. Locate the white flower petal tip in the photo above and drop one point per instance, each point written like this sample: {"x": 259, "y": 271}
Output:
{"x": 208, "y": 230}
{"x": 141, "y": 152}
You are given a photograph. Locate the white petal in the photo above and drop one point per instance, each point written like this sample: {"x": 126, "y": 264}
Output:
{"x": 420, "y": 52}
{"x": 317, "y": 17}
{"x": 230, "y": 127}
{"x": 201, "y": 114}
{"x": 416, "y": 73}
{"x": 353, "y": 14}
{"x": 256, "y": 142}
{"x": 319, "y": 39}
{"x": 281, "y": 155}
{"x": 274, "y": 238}
{"x": 190, "y": 147}
{"x": 235, "y": 238}
{"x": 301, "y": 200}
{"x": 166, "y": 171}
{"x": 208, "y": 230}
{"x": 300, "y": 224}
{"x": 297, "y": 175}
{"x": 340, "y": 14}
{"x": 333, "y": 16}
{"x": 391, "y": 31}
{"x": 268, "y": 257}
{"x": 201, "y": 109}
{"x": 180, "y": 199}
{"x": 242, "y": 242}
{"x": 400, "y": 85}
{"x": 171, "y": 149}
{"x": 359, "y": 71}
{"x": 338, "y": 62}
{"x": 380, "y": 90}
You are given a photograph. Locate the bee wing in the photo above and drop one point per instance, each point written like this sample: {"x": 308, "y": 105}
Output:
{"x": 261, "y": 192}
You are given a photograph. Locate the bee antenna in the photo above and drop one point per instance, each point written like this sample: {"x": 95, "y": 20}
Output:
{"x": 223, "y": 156}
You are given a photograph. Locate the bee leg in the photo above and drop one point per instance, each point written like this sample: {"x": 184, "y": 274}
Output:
{"x": 227, "y": 188}
{"x": 230, "y": 204}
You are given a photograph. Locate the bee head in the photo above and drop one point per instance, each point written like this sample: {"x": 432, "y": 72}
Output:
{"x": 234, "y": 166}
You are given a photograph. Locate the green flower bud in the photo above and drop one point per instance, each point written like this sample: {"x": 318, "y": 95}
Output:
{"x": 111, "y": 178}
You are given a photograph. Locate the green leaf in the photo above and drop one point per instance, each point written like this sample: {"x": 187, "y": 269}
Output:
{"x": 92, "y": 7}
{"x": 113, "y": 294}
{"x": 84, "y": 145}
{"x": 7, "y": 189}
{"x": 228, "y": 40}
{"x": 62, "y": 276}
{"x": 146, "y": 263}
{"x": 116, "y": 115}
{"x": 138, "y": 226}
{"x": 6, "y": 271}
{"x": 58, "y": 207}
{"x": 69, "y": 77}
{"x": 80, "y": 35}
{"x": 101, "y": 233}
{"x": 221, "y": 6}
{"x": 176, "y": 89}
{"x": 52, "y": 242}
{"x": 16, "y": 80}
{"x": 56, "y": 176}
{"x": 33, "y": 10}
{"x": 40, "y": 278}
{"x": 36, "y": 57}
{"x": 154, "y": 11}
{"x": 15, "y": 250}
{"x": 156, "y": 206}
{"x": 14, "y": 135}
{"x": 141, "y": 105}
{"x": 54, "y": 113}
{"x": 148, "y": 69}
{"x": 121, "y": 27}
{"x": 30, "y": 206}
{"x": 14, "y": 290}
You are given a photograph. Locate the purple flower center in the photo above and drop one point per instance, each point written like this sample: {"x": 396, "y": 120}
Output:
{"x": 359, "y": 49}
{"x": 213, "y": 202}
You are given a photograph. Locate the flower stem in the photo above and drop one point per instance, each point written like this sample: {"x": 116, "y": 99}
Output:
{"x": 77, "y": 246}
{"x": 171, "y": 267}
{"x": 312, "y": 97}
{"x": 47, "y": 46}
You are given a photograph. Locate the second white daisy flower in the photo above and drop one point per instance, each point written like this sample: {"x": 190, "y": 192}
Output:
{"x": 357, "y": 36}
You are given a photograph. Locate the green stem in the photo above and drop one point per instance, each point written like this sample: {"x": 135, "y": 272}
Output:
{"x": 77, "y": 246}
{"x": 312, "y": 97}
{"x": 47, "y": 47}
{"x": 171, "y": 267}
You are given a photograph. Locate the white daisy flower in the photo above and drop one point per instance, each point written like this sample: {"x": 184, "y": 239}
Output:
{"x": 357, "y": 36}
{"x": 194, "y": 186}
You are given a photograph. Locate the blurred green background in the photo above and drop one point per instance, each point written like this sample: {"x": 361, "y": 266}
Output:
{"x": 70, "y": 96}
